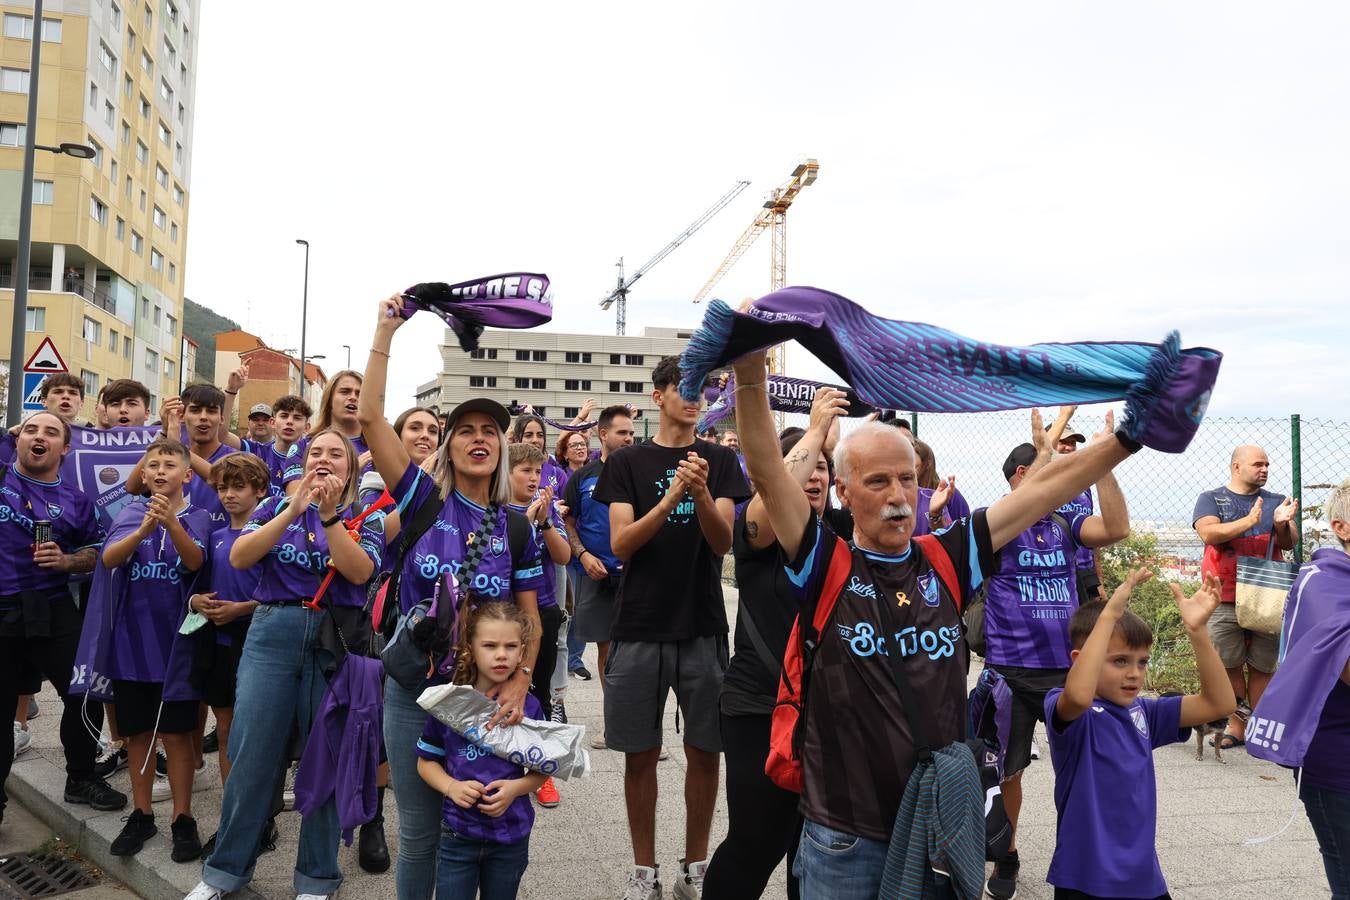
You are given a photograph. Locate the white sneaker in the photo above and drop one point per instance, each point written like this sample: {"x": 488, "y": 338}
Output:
{"x": 22, "y": 739}
{"x": 689, "y": 884}
{"x": 598, "y": 743}
{"x": 643, "y": 884}
{"x": 204, "y": 891}
{"x": 160, "y": 790}
{"x": 1035, "y": 750}
{"x": 312, "y": 896}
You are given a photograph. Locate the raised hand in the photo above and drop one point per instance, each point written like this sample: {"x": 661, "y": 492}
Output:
{"x": 1040, "y": 439}
{"x": 1198, "y": 607}
{"x": 693, "y": 472}
{"x": 325, "y": 494}
{"x": 1254, "y": 516}
{"x": 938, "y": 502}
{"x": 1120, "y": 597}
{"x": 390, "y": 315}
{"x": 1108, "y": 427}
{"x": 171, "y": 416}
{"x": 1284, "y": 513}
{"x": 537, "y": 512}
{"x": 587, "y": 408}
{"x": 237, "y": 379}
{"x": 826, "y": 408}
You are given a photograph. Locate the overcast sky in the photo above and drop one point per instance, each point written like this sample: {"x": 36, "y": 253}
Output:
{"x": 1016, "y": 172}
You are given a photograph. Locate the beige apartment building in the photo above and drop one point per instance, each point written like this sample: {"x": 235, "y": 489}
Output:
{"x": 555, "y": 373}
{"x": 109, "y": 233}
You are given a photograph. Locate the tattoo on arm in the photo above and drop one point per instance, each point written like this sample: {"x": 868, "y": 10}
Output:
{"x": 796, "y": 457}
{"x": 751, "y": 529}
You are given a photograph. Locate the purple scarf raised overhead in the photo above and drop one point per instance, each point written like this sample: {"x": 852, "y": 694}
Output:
{"x": 1314, "y": 645}
{"x": 913, "y": 366}
{"x": 512, "y": 300}
{"x": 788, "y": 395}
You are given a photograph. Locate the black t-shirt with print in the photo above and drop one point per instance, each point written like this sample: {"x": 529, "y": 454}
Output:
{"x": 671, "y": 589}
{"x": 858, "y": 751}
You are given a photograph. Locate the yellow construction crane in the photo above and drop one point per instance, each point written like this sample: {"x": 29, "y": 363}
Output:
{"x": 772, "y": 217}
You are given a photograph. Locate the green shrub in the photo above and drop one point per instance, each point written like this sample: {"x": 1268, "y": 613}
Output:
{"x": 1172, "y": 663}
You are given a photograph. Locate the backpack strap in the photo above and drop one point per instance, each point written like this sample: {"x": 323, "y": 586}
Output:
{"x": 941, "y": 561}
{"x": 519, "y": 531}
{"x": 836, "y": 573}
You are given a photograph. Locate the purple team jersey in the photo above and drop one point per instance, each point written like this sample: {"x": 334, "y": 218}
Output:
{"x": 1081, "y": 505}
{"x": 228, "y": 582}
{"x": 24, "y": 501}
{"x": 466, "y": 760}
{"x": 296, "y": 566}
{"x": 282, "y": 468}
{"x": 553, "y": 475}
{"x": 1105, "y": 795}
{"x": 441, "y": 548}
{"x": 1032, "y": 596}
{"x": 548, "y": 591}
{"x": 202, "y": 494}
{"x": 154, "y": 603}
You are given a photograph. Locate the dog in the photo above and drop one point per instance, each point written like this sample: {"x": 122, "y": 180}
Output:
{"x": 1216, "y": 728}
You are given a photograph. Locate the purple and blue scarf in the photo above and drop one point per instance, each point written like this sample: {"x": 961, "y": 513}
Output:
{"x": 914, "y": 366}
{"x": 510, "y": 300}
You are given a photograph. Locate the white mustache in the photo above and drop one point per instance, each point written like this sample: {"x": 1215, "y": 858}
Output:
{"x": 897, "y": 511}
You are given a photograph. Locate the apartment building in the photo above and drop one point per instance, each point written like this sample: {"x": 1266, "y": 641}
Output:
{"x": 109, "y": 233}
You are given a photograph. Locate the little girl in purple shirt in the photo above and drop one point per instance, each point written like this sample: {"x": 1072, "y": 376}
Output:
{"x": 487, "y": 814}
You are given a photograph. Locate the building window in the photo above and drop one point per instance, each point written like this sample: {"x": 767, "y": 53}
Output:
{"x": 145, "y": 107}
{"x": 156, "y": 263}
{"x": 165, "y": 136}
{"x": 171, "y": 13}
{"x": 14, "y": 81}
{"x": 129, "y": 187}
{"x": 484, "y": 353}
{"x": 126, "y": 132}
{"x": 51, "y": 31}
{"x": 182, "y": 72}
{"x": 614, "y": 359}
{"x": 173, "y": 232}
{"x": 90, "y": 380}
{"x": 121, "y": 228}
{"x": 614, "y": 387}
{"x": 168, "y": 368}
{"x": 112, "y": 340}
{"x": 170, "y": 51}
{"x": 97, "y": 158}
{"x": 585, "y": 384}
{"x": 178, "y": 198}
{"x": 149, "y": 17}
{"x": 165, "y": 91}
{"x": 18, "y": 26}
{"x": 539, "y": 355}
{"x": 126, "y": 346}
{"x": 93, "y": 94}
{"x": 112, "y": 171}
{"x": 136, "y": 244}
{"x": 571, "y": 384}
{"x": 42, "y": 193}
{"x": 538, "y": 384}
{"x": 127, "y": 87}
{"x": 173, "y": 274}
{"x": 98, "y": 210}
{"x": 131, "y": 40}
{"x": 115, "y": 14}
{"x": 109, "y": 113}
{"x": 159, "y": 218}
{"x": 93, "y": 331}
{"x": 578, "y": 357}
{"x": 107, "y": 58}
{"x": 178, "y": 153}
{"x": 142, "y": 153}
{"x": 12, "y": 134}
{"x": 182, "y": 114}
{"x": 523, "y": 383}
{"x": 35, "y": 318}
{"x": 571, "y": 412}
{"x": 522, "y": 356}
{"x": 632, "y": 387}
{"x": 161, "y": 175}
{"x": 147, "y": 64}
{"x": 152, "y": 361}
{"x": 173, "y": 325}
{"x": 142, "y": 201}
{"x": 483, "y": 381}
{"x": 632, "y": 359}
{"x": 159, "y": 314}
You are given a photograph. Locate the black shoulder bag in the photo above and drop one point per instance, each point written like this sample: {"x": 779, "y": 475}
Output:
{"x": 382, "y": 598}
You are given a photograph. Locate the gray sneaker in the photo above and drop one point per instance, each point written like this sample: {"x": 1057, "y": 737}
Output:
{"x": 689, "y": 883}
{"x": 644, "y": 884}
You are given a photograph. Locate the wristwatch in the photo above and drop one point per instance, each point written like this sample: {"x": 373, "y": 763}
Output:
{"x": 546, "y": 525}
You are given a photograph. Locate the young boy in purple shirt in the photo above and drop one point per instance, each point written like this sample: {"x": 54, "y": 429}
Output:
{"x": 147, "y": 565}
{"x": 1102, "y": 738}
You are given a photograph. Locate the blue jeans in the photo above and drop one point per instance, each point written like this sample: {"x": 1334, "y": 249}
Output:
{"x": 483, "y": 869}
{"x": 1329, "y": 813}
{"x": 835, "y": 865}
{"x": 280, "y": 684}
{"x": 574, "y": 647}
{"x": 419, "y": 807}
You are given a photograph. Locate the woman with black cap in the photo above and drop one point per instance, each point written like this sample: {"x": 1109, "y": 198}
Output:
{"x": 471, "y": 488}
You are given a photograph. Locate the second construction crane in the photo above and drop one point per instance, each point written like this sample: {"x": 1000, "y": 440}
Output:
{"x": 620, "y": 293}
{"x": 773, "y": 218}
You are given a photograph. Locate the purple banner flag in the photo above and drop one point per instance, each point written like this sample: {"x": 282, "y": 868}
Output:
{"x": 787, "y": 395}
{"x": 510, "y": 300}
{"x": 99, "y": 461}
{"x": 915, "y": 366}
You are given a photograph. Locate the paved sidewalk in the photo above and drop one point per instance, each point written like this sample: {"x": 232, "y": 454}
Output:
{"x": 580, "y": 850}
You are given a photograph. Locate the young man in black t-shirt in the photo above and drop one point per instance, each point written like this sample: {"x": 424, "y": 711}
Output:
{"x": 858, "y": 752}
{"x": 670, "y": 510}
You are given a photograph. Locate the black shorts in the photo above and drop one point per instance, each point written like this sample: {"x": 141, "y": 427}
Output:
{"x": 218, "y": 687}
{"x": 138, "y": 709}
{"x": 1029, "y": 687}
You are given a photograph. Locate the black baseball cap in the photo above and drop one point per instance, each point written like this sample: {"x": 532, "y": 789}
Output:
{"x": 1021, "y": 455}
{"x": 491, "y": 408}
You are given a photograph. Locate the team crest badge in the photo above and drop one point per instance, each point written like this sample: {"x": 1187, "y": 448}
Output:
{"x": 498, "y": 546}
{"x": 929, "y": 588}
{"x": 54, "y": 510}
{"x": 1140, "y": 723}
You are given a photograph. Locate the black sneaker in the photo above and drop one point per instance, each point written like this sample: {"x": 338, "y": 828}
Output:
{"x": 209, "y": 847}
{"x": 162, "y": 762}
{"x": 581, "y": 673}
{"x": 1003, "y": 883}
{"x": 140, "y": 828}
{"x": 187, "y": 844}
{"x": 557, "y": 712}
{"x": 95, "y": 792}
{"x": 110, "y": 762}
{"x": 211, "y": 743}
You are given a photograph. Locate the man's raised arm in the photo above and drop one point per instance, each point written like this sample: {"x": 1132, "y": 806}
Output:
{"x": 784, "y": 500}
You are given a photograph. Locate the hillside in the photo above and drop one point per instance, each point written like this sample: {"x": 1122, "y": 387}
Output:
{"x": 202, "y": 325}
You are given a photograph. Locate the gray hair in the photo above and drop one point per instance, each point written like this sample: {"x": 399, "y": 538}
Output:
{"x": 844, "y": 451}
{"x": 1338, "y": 504}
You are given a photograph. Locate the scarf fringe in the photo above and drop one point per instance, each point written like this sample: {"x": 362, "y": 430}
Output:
{"x": 705, "y": 348}
{"x": 1143, "y": 396}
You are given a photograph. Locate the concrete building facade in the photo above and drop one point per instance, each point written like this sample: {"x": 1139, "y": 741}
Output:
{"x": 109, "y": 233}
{"x": 553, "y": 372}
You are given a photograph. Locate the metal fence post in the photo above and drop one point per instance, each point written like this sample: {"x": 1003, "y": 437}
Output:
{"x": 1296, "y": 454}
{"x": 645, "y": 423}
{"x": 914, "y": 424}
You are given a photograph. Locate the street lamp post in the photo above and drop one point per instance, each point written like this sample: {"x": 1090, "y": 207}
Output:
{"x": 14, "y": 405}
{"x": 304, "y": 312}
{"x": 348, "y": 348}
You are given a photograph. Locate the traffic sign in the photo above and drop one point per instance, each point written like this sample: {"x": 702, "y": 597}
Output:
{"x": 32, "y": 390}
{"x": 45, "y": 359}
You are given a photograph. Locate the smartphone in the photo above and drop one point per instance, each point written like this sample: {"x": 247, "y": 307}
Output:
{"x": 42, "y": 531}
